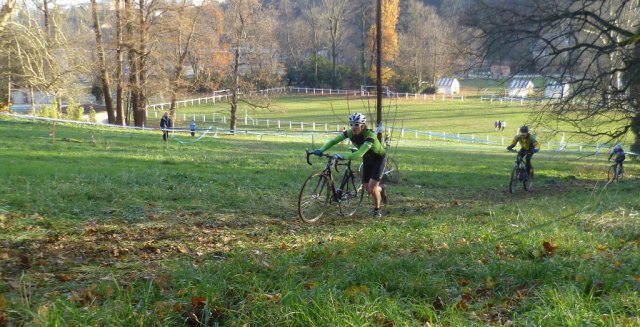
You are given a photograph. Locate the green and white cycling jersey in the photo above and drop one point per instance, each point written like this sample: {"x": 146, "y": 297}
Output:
{"x": 367, "y": 143}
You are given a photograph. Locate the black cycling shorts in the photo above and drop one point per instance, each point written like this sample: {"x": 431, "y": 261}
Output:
{"x": 373, "y": 168}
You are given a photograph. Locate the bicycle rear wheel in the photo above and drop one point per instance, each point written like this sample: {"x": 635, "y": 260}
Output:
{"x": 514, "y": 182}
{"x": 528, "y": 183}
{"x": 391, "y": 171}
{"x": 351, "y": 195}
{"x": 314, "y": 198}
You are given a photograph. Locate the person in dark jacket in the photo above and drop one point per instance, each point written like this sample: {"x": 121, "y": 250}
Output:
{"x": 165, "y": 124}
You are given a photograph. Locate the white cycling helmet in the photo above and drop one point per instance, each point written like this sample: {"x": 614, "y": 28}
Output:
{"x": 357, "y": 118}
{"x": 617, "y": 146}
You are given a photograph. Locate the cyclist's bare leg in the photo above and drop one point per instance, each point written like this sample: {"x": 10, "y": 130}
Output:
{"x": 373, "y": 187}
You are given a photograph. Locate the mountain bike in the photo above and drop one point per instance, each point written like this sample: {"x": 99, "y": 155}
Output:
{"x": 519, "y": 175}
{"x": 319, "y": 192}
{"x": 615, "y": 172}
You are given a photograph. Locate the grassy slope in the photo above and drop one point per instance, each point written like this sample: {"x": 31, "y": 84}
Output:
{"x": 99, "y": 232}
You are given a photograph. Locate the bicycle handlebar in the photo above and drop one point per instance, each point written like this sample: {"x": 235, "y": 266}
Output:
{"x": 335, "y": 160}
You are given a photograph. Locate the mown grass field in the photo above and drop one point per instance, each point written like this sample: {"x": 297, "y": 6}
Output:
{"x": 114, "y": 227}
{"x": 472, "y": 117}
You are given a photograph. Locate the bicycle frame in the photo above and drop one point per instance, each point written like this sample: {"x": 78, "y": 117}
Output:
{"x": 333, "y": 162}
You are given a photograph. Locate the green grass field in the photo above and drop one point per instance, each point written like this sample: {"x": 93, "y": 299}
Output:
{"x": 469, "y": 118}
{"x": 109, "y": 227}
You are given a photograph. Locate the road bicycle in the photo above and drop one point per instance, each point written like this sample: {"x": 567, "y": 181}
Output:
{"x": 320, "y": 192}
{"x": 615, "y": 172}
{"x": 519, "y": 175}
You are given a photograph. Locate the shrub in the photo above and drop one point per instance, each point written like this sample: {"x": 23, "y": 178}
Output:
{"x": 92, "y": 115}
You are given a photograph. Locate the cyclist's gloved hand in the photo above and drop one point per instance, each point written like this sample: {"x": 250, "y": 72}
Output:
{"x": 338, "y": 156}
{"x": 317, "y": 152}
{"x": 509, "y": 148}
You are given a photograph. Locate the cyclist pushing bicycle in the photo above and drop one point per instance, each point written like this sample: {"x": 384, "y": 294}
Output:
{"x": 370, "y": 150}
{"x": 620, "y": 155}
{"x": 528, "y": 146}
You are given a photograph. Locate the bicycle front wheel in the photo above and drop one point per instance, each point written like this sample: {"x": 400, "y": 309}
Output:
{"x": 514, "y": 182}
{"x": 612, "y": 176}
{"x": 314, "y": 198}
{"x": 352, "y": 194}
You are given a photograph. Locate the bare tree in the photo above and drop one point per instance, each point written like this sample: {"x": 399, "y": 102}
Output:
{"x": 5, "y": 13}
{"x": 102, "y": 65}
{"x": 120, "y": 76}
{"x": 592, "y": 45}
{"x": 254, "y": 59}
{"x": 335, "y": 15}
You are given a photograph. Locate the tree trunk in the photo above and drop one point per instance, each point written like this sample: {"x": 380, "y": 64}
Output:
{"x": 104, "y": 75}
{"x": 634, "y": 93}
{"x": 120, "y": 69}
{"x": 234, "y": 90}
{"x": 131, "y": 58}
{"x": 139, "y": 112}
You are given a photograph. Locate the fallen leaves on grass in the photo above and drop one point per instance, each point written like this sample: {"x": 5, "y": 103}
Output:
{"x": 549, "y": 248}
{"x": 382, "y": 320}
{"x": 357, "y": 290}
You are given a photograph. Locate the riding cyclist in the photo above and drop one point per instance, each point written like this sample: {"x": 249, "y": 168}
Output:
{"x": 370, "y": 150}
{"x": 619, "y": 153}
{"x": 528, "y": 146}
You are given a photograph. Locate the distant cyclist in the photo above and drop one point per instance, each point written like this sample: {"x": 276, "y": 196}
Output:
{"x": 370, "y": 150}
{"x": 528, "y": 146}
{"x": 619, "y": 153}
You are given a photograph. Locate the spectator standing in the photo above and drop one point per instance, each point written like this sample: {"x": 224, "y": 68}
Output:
{"x": 192, "y": 127}
{"x": 495, "y": 125}
{"x": 499, "y": 126}
{"x": 503, "y": 125}
{"x": 164, "y": 126}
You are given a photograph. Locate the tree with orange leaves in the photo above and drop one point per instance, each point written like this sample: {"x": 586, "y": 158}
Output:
{"x": 389, "y": 15}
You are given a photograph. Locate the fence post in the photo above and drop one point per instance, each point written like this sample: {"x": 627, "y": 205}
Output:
{"x": 502, "y": 141}
{"x": 204, "y": 118}
{"x": 184, "y": 117}
{"x": 326, "y": 127}
{"x": 224, "y": 119}
{"x": 156, "y": 113}
{"x": 278, "y": 123}
{"x": 458, "y": 137}
{"x": 290, "y": 125}
{"x": 302, "y": 125}
{"x": 267, "y": 123}
{"x": 313, "y": 125}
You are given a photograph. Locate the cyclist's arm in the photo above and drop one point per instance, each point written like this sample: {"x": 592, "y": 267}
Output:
{"x": 536, "y": 144}
{"x": 332, "y": 142}
{"x": 514, "y": 142}
{"x": 360, "y": 152}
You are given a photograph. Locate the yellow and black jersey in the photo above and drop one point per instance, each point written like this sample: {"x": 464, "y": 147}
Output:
{"x": 528, "y": 142}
